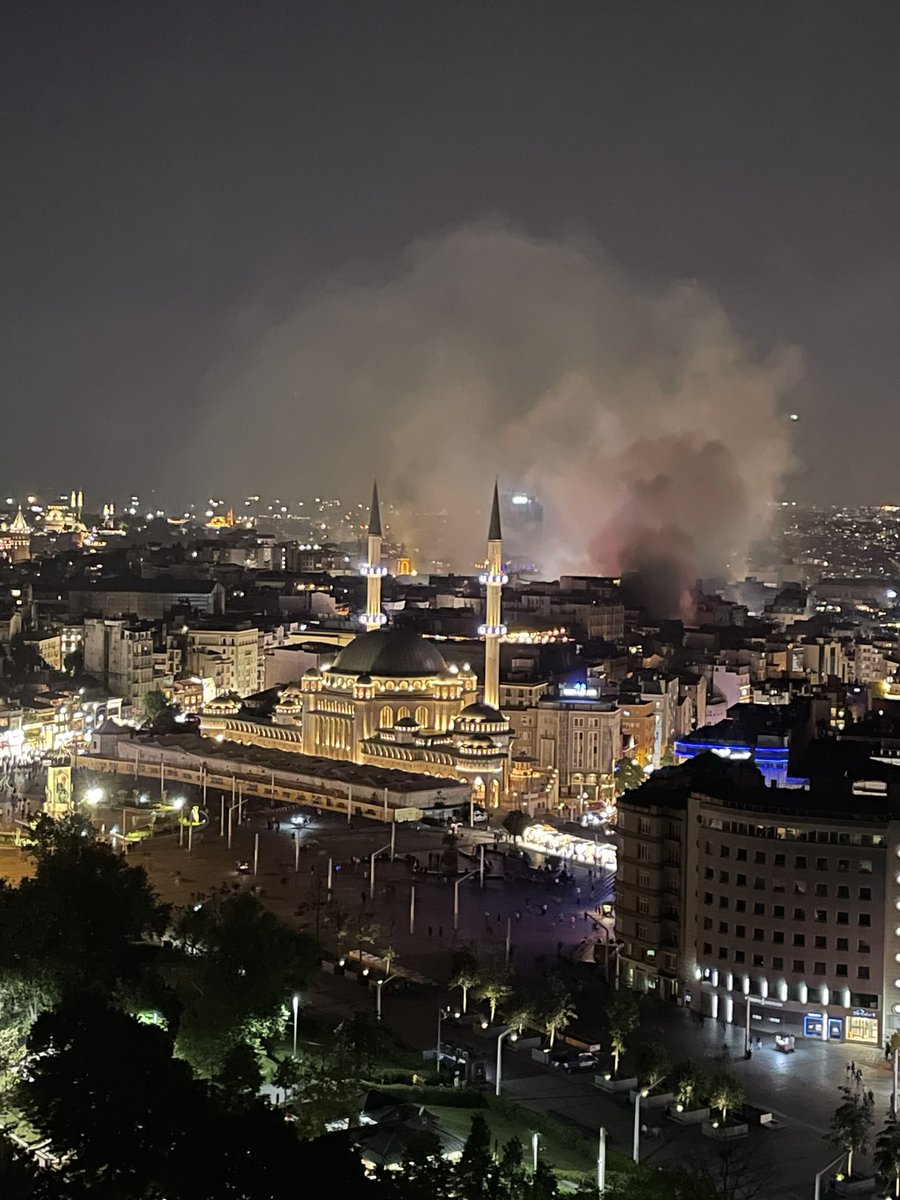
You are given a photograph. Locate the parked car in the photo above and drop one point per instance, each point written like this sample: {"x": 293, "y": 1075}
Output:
{"x": 574, "y": 1060}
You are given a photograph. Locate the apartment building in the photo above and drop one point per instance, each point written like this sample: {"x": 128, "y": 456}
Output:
{"x": 231, "y": 655}
{"x": 119, "y": 654}
{"x": 730, "y": 893}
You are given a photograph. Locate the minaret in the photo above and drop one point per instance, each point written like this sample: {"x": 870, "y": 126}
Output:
{"x": 373, "y": 617}
{"x": 493, "y": 631}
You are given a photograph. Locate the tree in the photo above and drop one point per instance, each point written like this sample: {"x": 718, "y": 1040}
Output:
{"x": 543, "y": 1183}
{"x": 887, "y": 1153}
{"x": 653, "y": 1063}
{"x": 510, "y": 1178}
{"x": 494, "y": 987}
{"x": 426, "y": 1173}
{"x": 851, "y": 1125}
{"x": 690, "y": 1083}
{"x": 629, "y": 774}
{"x": 516, "y": 822}
{"x": 473, "y": 1174}
{"x": 239, "y": 964}
{"x": 240, "y": 1077}
{"x": 559, "y": 1012}
{"x": 73, "y": 662}
{"x": 327, "y": 1089}
{"x": 519, "y": 1014}
{"x": 725, "y": 1093}
{"x": 464, "y": 974}
{"x": 734, "y": 1172}
{"x": 153, "y": 705}
{"x": 359, "y": 1037}
{"x": 623, "y": 1017}
{"x": 288, "y": 1075}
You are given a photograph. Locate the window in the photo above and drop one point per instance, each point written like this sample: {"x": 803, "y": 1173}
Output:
{"x": 644, "y": 828}
{"x": 841, "y": 970}
{"x": 821, "y": 864}
{"x": 843, "y": 864}
{"x": 741, "y": 880}
{"x": 724, "y": 877}
{"x": 707, "y": 922}
{"x": 820, "y": 942}
{"x": 723, "y": 927}
{"x": 841, "y": 943}
{"x": 643, "y": 879}
{"x": 865, "y": 920}
{"x": 759, "y": 884}
{"x": 758, "y": 935}
{"x": 739, "y": 956}
{"x": 863, "y": 947}
{"x": 843, "y": 918}
{"x": 723, "y": 902}
{"x": 707, "y": 948}
{"x": 724, "y": 851}
{"x": 865, "y": 893}
{"x": 799, "y": 939}
{"x": 818, "y": 968}
{"x": 643, "y": 852}
{"x": 741, "y": 854}
{"x": 778, "y": 860}
{"x": 821, "y": 915}
{"x": 800, "y": 862}
{"x": 778, "y": 937}
{"x": 758, "y": 960}
{"x": 778, "y": 885}
{"x": 740, "y": 930}
{"x": 643, "y": 905}
{"x": 821, "y": 889}
{"x": 758, "y": 909}
{"x": 865, "y": 866}
{"x": 740, "y": 906}
{"x": 778, "y": 911}
{"x": 799, "y": 966}
{"x": 707, "y": 898}
{"x": 799, "y": 887}
{"x": 723, "y": 952}
{"x": 759, "y": 857}
{"x": 843, "y": 892}
{"x": 708, "y": 872}
{"x": 777, "y": 964}
{"x": 799, "y": 914}
{"x": 862, "y": 972}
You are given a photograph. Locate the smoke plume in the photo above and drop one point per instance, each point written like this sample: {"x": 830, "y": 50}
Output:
{"x": 650, "y": 432}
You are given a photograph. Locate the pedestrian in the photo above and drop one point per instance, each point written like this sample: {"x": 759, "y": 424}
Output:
{"x": 498, "y": 918}
{"x": 362, "y": 897}
{"x": 759, "y": 1043}
{"x": 871, "y": 1097}
{"x": 429, "y": 931}
{"x": 858, "y": 1076}
{"x": 852, "y": 1067}
{"x": 518, "y": 915}
{"x": 440, "y": 931}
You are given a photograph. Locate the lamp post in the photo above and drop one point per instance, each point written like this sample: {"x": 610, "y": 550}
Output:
{"x": 498, "y": 1078}
{"x": 818, "y": 1189}
{"x": 636, "y": 1142}
{"x": 295, "y": 1004}
{"x": 535, "y": 1138}
{"x": 437, "y": 1056}
{"x": 601, "y": 1162}
{"x": 379, "y": 984}
{"x": 456, "y": 883}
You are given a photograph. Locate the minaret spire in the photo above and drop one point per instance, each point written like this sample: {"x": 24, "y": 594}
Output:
{"x": 493, "y": 630}
{"x": 373, "y": 617}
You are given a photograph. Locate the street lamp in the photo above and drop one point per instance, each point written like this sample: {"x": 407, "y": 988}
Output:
{"x": 379, "y": 984}
{"x": 824, "y": 1171}
{"x": 295, "y": 1004}
{"x": 636, "y": 1144}
{"x": 437, "y": 1057}
{"x": 535, "y": 1138}
{"x": 499, "y": 1075}
{"x": 93, "y": 796}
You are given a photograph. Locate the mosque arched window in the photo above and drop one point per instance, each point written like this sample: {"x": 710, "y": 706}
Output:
{"x": 402, "y": 712}
{"x": 386, "y": 720}
{"x": 422, "y": 716}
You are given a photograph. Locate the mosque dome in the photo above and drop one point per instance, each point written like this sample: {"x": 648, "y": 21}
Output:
{"x": 399, "y": 653}
{"x": 482, "y": 713}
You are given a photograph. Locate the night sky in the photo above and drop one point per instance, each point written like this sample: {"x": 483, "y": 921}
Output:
{"x": 178, "y": 177}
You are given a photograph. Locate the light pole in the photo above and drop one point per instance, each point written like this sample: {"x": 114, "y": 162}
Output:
{"x": 818, "y": 1190}
{"x": 636, "y": 1142}
{"x": 535, "y": 1138}
{"x": 374, "y": 855}
{"x": 412, "y": 908}
{"x": 379, "y": 984}
{"x": 601, "y": 1162}
{"x": 437, "y": 1057}
{"x": 295, "y": 1004}
{"x": 498, "y": 1078}
{"x": 456, "y": 883}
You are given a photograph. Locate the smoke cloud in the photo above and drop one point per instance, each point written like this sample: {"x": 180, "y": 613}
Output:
{"x": 653, "y": 436}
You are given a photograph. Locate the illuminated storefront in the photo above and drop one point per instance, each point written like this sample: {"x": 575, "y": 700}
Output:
{"x": 545, "y": 839}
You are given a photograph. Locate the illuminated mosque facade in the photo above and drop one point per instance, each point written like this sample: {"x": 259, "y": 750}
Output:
{"x": 390, "y": 700}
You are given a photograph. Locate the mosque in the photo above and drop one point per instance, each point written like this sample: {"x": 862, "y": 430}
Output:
{"x": 390, "y": 700}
